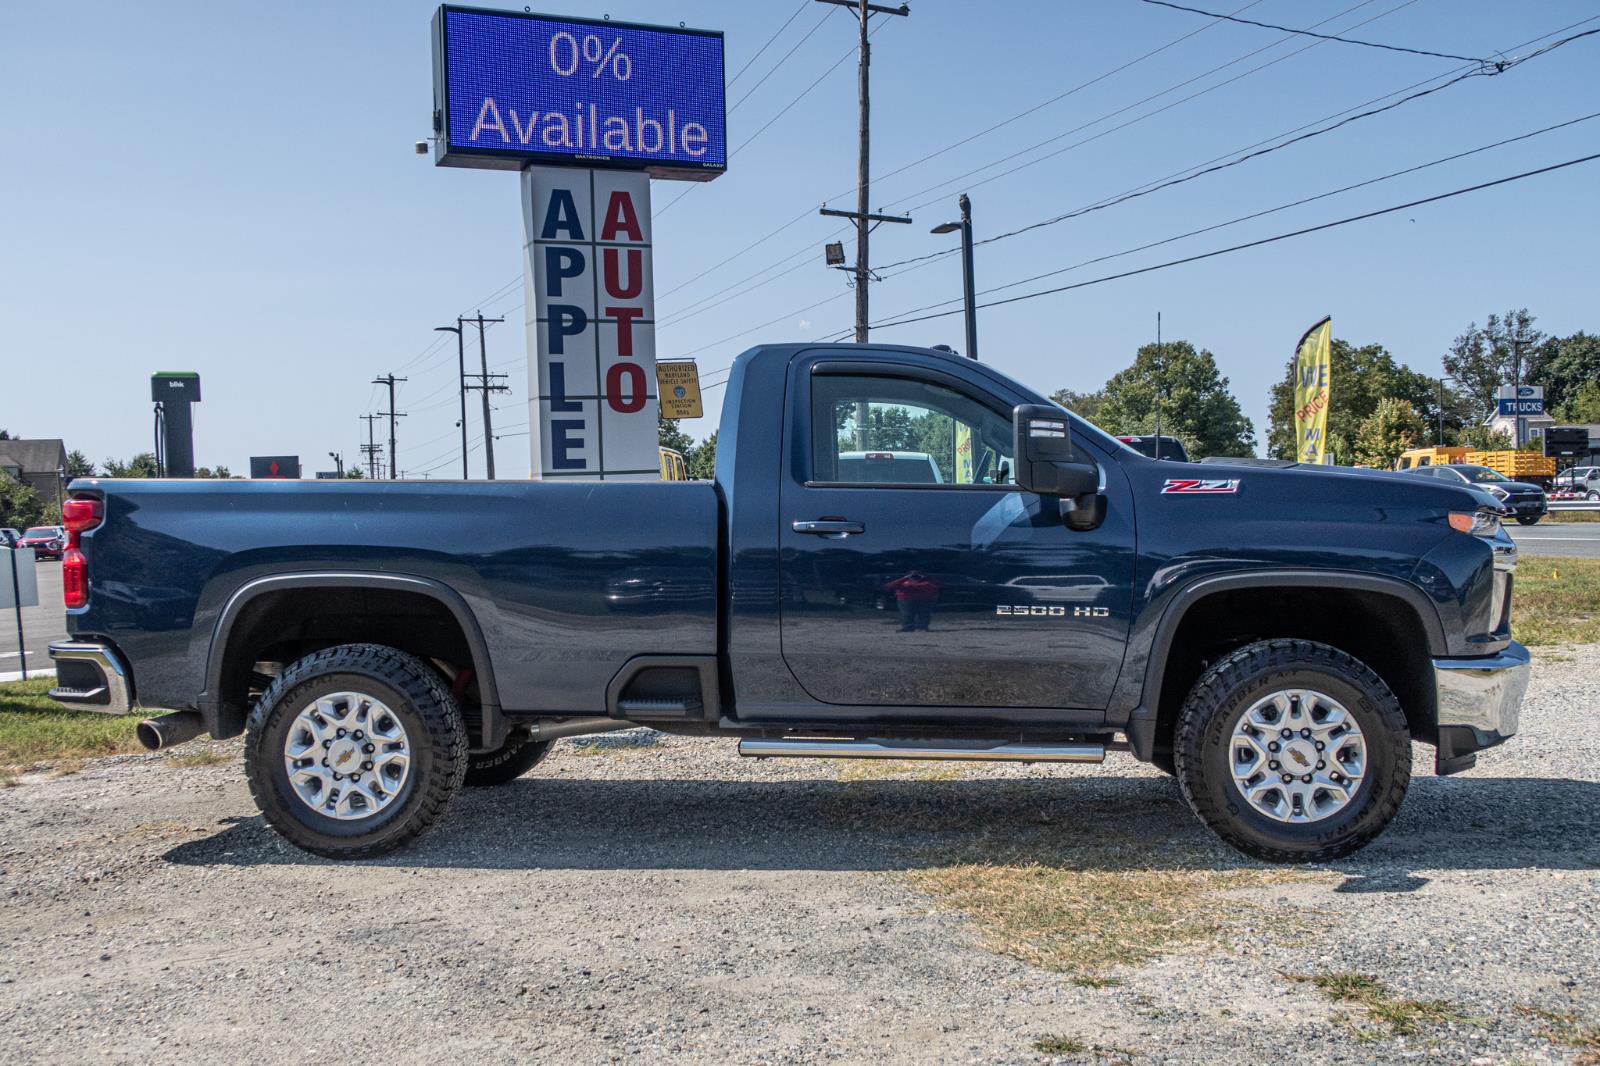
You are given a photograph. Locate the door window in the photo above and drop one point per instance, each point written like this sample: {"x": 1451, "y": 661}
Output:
{"x": 900, "y": 431}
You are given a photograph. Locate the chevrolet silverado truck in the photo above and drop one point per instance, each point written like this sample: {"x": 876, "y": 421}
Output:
{"x": 1276, "y": 636}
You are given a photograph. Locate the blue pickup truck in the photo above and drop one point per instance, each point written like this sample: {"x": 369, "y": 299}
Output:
{"x": 1274, "y": 636}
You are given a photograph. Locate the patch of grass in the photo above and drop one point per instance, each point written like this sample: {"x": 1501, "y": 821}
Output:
{"x": 1060, "y": 1045}
{"x": 913, "y": 769}
{"x": 1403, "y": 1016}
{"x": 1556, "y": 601}
{"x": 1573, "y": 516}
{"x": 1083, "y": 921}
{"x": 608, "y": 745}
{"x": 198, "y": 757}
{"x": 1090, "y": 980}
{"x": 1568, "y": 1030}
{"x": 35, "y": 730}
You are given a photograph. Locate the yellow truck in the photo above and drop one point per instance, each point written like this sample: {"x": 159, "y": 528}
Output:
{"x": 1518, "y": 466}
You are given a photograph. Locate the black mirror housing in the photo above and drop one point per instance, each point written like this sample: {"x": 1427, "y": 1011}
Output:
{"x": 1046, "y": 461}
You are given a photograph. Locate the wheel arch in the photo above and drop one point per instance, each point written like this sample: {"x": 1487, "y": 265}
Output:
{"x": 1390, "y": 603}
{"x": 225, "y": 716}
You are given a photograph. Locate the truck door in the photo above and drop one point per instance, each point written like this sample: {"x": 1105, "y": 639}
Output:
{"x": 914, "y": 573}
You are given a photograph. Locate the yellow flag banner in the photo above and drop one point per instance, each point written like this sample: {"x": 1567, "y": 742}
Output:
{"x": 1313, "y": 374}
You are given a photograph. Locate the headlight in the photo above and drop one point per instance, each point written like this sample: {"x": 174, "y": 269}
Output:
{"x": 1478, "y": 523}
{"x": 1499, "y": 493}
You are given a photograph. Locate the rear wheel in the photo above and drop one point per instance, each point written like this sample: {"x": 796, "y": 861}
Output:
{"x": 520, "y": 754}
{"x": 1293, "y": 751}
{"x": 355, "y": 750}
{"x": 1527, "y": 519}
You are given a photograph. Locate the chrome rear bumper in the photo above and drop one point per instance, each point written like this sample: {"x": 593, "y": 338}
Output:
{"x": 90, "y": 677}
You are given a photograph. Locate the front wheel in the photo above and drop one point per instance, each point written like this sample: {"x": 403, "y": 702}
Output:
{"x": 1527, "y": 519}
{"x": 355, "y": 750}
{"x": 1293, "y": 751}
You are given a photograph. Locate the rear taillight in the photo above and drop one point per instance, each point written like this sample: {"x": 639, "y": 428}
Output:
{"x": 74, "y": 578}
{"x": 80, "y": 515}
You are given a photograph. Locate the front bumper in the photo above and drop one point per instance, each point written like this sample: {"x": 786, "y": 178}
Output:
{"x": 90, "y": 677}
{"x": 1479, "y": 702}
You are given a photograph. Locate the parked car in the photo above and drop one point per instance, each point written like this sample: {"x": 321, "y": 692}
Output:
{"x": 1162, "y": 447}
{"x": 47, "y": 542}
{"x": 1584, "y": 480}
{"x": 1525, "y": 502}
{"x": 9, "y": 537}
{"x": 1275, "y": 637}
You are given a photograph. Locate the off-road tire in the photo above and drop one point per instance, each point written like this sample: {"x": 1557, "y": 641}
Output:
{"x": 1226, "y": 690}
{"x": 414, "y": 693}
{"x": 1527, "y": 519}
{"x": 520, "y": 754}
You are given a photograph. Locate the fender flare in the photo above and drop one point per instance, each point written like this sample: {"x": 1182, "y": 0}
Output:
{"x": 1142, "y": 722}
{"x": 435, "y": 590}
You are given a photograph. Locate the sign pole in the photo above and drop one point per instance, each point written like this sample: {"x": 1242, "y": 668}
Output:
{"x": 16, "y": 589}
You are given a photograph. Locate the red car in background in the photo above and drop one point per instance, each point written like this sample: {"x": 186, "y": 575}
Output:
{"x": 47, "y": 542}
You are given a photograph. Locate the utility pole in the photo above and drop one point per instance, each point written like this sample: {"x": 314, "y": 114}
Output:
{"x": 486, "y": 384}
{"x": 338, "y": 463}
{"x": 372, "y": 450}
{"x": 862, "y": 216}
{"x": 390, "y": 380}
{"x": 1516, "y": 380}
{"x": 1161, "y": 380}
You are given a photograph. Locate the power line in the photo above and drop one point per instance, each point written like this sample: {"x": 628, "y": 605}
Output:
{"x": 1254, "y": 244}
{"x": 1320, "y": 36}
{"x": 760, "y": 51}
{"x": 779, "y": 64}
{"x": 1258, "y": 214}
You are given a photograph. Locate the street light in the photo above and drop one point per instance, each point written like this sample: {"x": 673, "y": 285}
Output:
{"x": 965, "y": 226}
{"x": 338, "y": 463}
{"x": 461, "y": 364}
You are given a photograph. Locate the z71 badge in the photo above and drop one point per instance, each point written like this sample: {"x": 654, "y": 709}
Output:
{"x": 1200, "y": 486}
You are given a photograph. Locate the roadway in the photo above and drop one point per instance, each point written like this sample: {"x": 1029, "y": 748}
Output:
{"x": 40, "y": 625}
{"x": 1580, "y": 539}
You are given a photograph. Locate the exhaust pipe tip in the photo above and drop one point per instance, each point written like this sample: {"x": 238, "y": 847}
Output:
{"x": 168, "y": 730}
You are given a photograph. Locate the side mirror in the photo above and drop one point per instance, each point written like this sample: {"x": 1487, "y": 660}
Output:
{"x": 1046, "y": 461}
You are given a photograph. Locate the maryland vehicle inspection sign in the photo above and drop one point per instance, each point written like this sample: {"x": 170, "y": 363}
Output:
{"x": 512, "y": 89}
{"x": 591, "y": 331}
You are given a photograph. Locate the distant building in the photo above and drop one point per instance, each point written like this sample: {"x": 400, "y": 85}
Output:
{"x": 41, "y": 464}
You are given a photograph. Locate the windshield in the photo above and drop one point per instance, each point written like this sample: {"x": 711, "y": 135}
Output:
{"x": 1479, "y": 475}
{"x": 42, "y": 531}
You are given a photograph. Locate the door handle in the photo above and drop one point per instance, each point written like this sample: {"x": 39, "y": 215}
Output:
{"x": 830, "y": 527}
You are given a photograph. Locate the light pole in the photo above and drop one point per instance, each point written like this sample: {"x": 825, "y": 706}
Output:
{"x": 338, "y": 463}
{"x": 461, "y": 370}
{"x": 965, "y": 226}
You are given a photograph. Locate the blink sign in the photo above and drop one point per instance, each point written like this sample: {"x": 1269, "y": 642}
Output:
{"x": 591, "y": 332}
{"x": 512, "y": 89}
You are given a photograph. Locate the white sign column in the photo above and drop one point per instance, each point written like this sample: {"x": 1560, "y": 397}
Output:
{"x": 589, "y": 290}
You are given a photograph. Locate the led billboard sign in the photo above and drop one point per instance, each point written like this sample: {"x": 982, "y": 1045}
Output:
{"x": 512, "y": 89}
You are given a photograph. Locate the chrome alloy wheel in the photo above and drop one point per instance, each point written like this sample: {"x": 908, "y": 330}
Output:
{"x": 347, "y": 755}
{"x": 1297, "y": 756}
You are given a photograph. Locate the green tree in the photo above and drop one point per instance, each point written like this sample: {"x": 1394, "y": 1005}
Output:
{"x": 1393, "y": 426}
{"x": 1484, "y": 359}
{"x": 141, "y": 465}
{"x": 353, "y": 473}
{"x": 78, "y": 465}
{"x": 1361, "y": 377}
{"x": 670, "y": 436}
{"x": 1585, "y": 404}
{"x": 5, "y": 434}
{"x": 210, "y": 472}
{"x": 1482, "y": 438}
{"x": 1196, "y": 406}
{"x": 1564, "y": 366}
{"x": 703, "y": 463}
{"x": 20, "y": 505}
{"x": 1085, "y": 405}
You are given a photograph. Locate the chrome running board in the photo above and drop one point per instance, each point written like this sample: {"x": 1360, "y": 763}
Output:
{"x": 973, "y": 750}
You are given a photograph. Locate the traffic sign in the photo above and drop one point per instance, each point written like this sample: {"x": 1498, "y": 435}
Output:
{"x": 678, "y": 385}
{"x": 275, "y": 466}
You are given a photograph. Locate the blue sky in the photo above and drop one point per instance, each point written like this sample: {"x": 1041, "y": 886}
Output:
{"x": 231, "y": 189}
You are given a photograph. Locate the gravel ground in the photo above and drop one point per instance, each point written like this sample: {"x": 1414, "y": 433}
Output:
{"x": 648, "y": 897}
